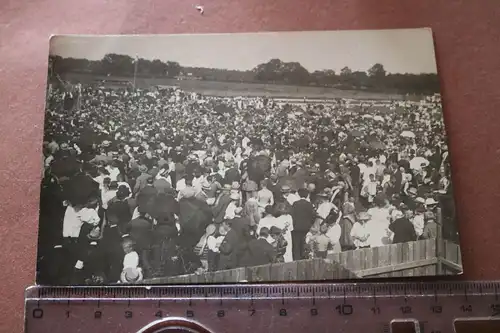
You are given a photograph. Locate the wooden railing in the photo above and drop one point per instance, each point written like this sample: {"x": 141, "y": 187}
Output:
{"x": 417, "y": 258}
{"x": 301, "y": 270}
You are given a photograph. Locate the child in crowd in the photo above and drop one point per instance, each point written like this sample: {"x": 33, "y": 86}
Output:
{"x": 131, "y": 271}
{"x": 310, "y": 241}
{"x": 322, "y": 243}
{"x": 430, "y": 228}
{"x": 279, "y": 243}
{"x": 369, "y": 189}
{"x": 213, "y": 243}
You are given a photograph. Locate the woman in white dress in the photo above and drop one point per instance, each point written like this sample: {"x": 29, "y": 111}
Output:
{"x": 379, "y": 222}
{"x": 334, "y": 232}
{"x": 268, "y": 221}
{"x": 359, "y": 233}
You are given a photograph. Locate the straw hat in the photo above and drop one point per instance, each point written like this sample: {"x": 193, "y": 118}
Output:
{"x": 412, "y": 190}
{"x": 430, "y": 201}
{"x": 420, "y": 200}
{"x": 397, "y": 214}
{"x": 131, "y": 275}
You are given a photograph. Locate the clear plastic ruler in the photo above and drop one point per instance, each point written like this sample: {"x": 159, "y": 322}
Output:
{"x": 442, "y": 307}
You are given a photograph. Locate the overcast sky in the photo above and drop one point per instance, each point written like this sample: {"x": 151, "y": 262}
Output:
{"x": 400, "y": 51}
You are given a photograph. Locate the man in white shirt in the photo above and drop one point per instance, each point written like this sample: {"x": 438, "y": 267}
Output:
{"x": 75, "y": 218}
{"x": 71, "y": 223}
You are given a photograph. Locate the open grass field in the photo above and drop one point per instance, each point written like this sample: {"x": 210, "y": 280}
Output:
{"x": 217, "y": 88}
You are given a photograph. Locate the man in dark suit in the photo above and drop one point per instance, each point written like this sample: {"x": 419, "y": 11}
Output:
{"x": 398, "y": 175}
{"x": 303, "y": 218}
{"x": 403, "y": 229}
{"x": 274, "y": 186}
{"x": 355, "y": 173}
{"x": 260, "y": 252}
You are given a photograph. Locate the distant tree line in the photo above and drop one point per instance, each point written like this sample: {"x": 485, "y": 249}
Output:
{"x": 274, "y": 71}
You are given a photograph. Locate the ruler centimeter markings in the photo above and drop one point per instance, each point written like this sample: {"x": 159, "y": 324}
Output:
{"x": 350, "y": 307}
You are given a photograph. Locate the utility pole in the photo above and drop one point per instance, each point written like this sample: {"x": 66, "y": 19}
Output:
{"x": 136, "y": 63}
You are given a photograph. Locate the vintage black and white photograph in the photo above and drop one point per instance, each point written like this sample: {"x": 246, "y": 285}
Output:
{"x": 245, "y": 158}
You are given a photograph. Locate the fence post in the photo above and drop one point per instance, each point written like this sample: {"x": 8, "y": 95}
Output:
{"x": 439, "y": 242}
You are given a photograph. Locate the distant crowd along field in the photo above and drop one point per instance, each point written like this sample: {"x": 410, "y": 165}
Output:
{"x": 217, "y": 88}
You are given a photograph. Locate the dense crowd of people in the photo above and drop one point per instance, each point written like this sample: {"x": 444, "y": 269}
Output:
{"x": 150, "y": 183}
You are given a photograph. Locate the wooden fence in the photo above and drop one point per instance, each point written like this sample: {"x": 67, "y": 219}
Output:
{"x": 451, "y": 258}
{"x": 301, "y": 270}
{"x": 404, "y": 259}
{"x": 419, "y": 258}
